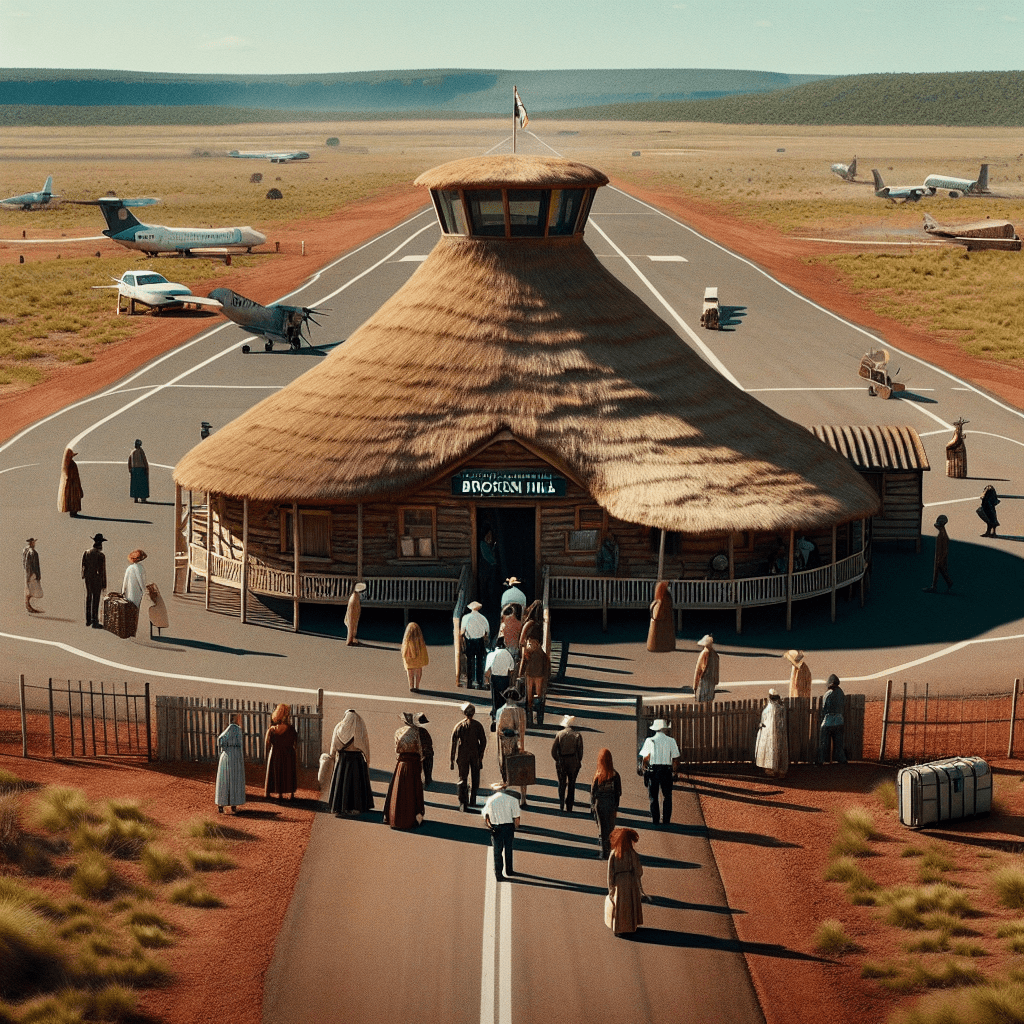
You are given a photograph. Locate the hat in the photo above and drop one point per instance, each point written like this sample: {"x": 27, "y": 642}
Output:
{"x": 941, "y": 521}
{"x": 794, "y": 657}
{"x": 833, "y": 681}
{"x": 772, "y": 692}
{"x": 407, "y": 717}
{"x": 468, "y": 708}
{"x": 499, "y": 785}
{"x": 706, "y": 640}
{"x": 569, "y": 721}
{"x": 512, "y": 693}
{"x": 137, "y": 555}
{"x": 474, "y": 606}
{"x": 99, "y": 538}
{"x": 359, "y": 588}
{"x": 659, "y": 725}
{"x": 30, "y": 540}
{"x": 421, "y": 719}
{"x": 138, "y": 443}
{"x": 513, "y": 581}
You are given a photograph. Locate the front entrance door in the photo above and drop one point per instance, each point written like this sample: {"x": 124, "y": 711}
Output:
{"x": 514, "y": 532}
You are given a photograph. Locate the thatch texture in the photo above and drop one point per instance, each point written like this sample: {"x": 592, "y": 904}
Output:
{"x": 512, "y": 171}
{"x": 535, "y": 337}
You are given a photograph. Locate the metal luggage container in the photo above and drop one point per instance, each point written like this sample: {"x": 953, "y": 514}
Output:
{"x": 946, "y": 790}
{"x": 521, "y": 769}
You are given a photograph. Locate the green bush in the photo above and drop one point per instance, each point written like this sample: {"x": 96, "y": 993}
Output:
{"x": 1008, "y": 883}
{"x": 93, "y": 878}
{"x": 30, "y": 959}
{"x": 996, "y": 1002}
{"x": 122, "y": 837}
{"x": 885, "y": 792}
{"x": 209, "y": 860}
{"x": 149, "y": 936}
{"x": 850, "y": 842}
{"x": 193, "y": 894}
{"x": 9, "y": 781}
{"x": 161, "y": 864}
{"x": 202, "y": 828}
{"x": 10, "y": 825}
{"x": 831, "y": 939}
{"x": 858, "y": 820}
{"x": 126, "y": 810}
{"x": 60, "y": 808}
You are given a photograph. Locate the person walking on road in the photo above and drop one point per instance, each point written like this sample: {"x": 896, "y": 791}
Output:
{"x": 426, "y": 748}
{"x": 403, "y": 806}
{"x": 658, "y": 753}
{"x": 661, "y": 635}
{"x": 475, "y": 631}
{"x": 230, "y": 788}
{"x": 414, "y": 655}
{"x": 987, "y": 510}
{"x": 350, "y": 793}
{"x": 94, "y": 572}
{"x": 501, "y": 812}
{"x": 941, "y": 557}
{"x": 535, "y": 667}
{"x": 511, "y": 734}
{"x": 352, "y": 613}
{"x": 469, "y": 741}
{"x": 498, "y": 668}
{"x": 282, "y": 764}
{"x": 567, "y": 750}
{"x": 705, "y": 675}
{"x": 830, "y": 735}
{"x": 623, "y": 908}
{"x": 771, "y": 745}
{"x": 605, "y": 794}
{"x": 800, "y": 677}
{"x": 30, "y": 562}
{"x": 70, "y": 493}
{"x": 138, "y": 474}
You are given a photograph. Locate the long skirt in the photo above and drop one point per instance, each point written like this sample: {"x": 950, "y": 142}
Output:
{"x": 405, "y": 793}
{"x": 230, "y": 788}
{"x": 606, "y": 810}
{"x": 139, "y": 483}
{"x": 350, "y": 791}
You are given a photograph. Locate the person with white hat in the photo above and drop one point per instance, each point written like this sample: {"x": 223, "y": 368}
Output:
{"x": 658, "y": 753}
{"x": 469, "y": 741}
{"x": 567, "y": 750}
{"x": 512, "y": 594}
{"x": 705, "y": 675}
{"x": 501, "y": 812}
{"x": 352, "y": 613}
{"x": 475, "y": 632}
{"x": 800, "y": 677}
{"x": 941, "y": 557}
{"x": 771, "y": 746}
{"x": 498, "y": 668}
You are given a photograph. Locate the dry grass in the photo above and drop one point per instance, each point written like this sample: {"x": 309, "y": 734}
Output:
{"x": 1008, "y": 882}
{"x": 831, "y": 939}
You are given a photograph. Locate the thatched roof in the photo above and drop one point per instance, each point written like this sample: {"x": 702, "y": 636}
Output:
{"x": 881, "y": 447}
{"x": 511, "y": 171}
{"x": 538, "y": 339}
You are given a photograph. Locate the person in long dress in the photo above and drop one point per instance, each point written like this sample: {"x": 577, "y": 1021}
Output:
{"x": 414, "y": 655}
{"x": 535, "y": 667}
{"x": 30, "y": 563}
{"x": 230, "y": 788}
{"x": 800, "y": 677}
{"x": 352, "y": 612}
{"x": 282, "y": 763}
{"x": 705, "y": 675}
{"x": 350, "y": 792}
{"x": 70, "y": 493}
{"x": 771, "y": 747}
{"x": 133, "y": 587}
{"x": 138, "y": 474}
{"x": 403, "y": 806}
{"x": 605, "y": 794}
{"x": 661, "y": 635}
{"x": 987, "y": 510}
{"x": 511, "y": 730}
{"x": 625, "y": 889}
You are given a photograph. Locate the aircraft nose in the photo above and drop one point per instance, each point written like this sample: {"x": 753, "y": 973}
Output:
{"x": 251, "y": 237}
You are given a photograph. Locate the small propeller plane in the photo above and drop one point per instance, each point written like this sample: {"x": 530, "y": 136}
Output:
{"x": 848, "y": 172}
{"x": 154, "y": 291}
{"x": 272, "y": 323}
{"x": 31, "y": 200}
{"x": 274, "y": 158}
{"x": 122, "y": 227}
{"x": 908, "y": 193}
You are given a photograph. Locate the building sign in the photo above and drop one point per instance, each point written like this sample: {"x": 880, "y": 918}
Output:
{"x": 508, "y": 483}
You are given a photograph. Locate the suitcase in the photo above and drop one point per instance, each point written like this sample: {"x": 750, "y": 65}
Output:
{"x": 521, "y": 769}
{"x": 120, "y": 616}
{"x": 955, "y": 787}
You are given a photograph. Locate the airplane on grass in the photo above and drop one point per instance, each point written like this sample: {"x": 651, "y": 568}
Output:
{"x": 908, "y": 193}
{"x": 155, "y": 291}
{"x": 848, "y": 172}
{"x": 272, "y": 323}
{"x": 31, "y": 200}
{"x": 980, "y": 234}
{"x": 274, "y": 158}
{"x": 961, "y": 186}
{"x": 122, "y": 227}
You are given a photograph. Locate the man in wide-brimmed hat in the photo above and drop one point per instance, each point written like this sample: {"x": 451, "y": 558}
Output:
{"x": 469, "y": 741}
{"x": 800, "y": 677}
{"x": 352, "y": 613}
{"x": 705, "y": 675}
{"x": 475, "y": 631}
{"x": 831, "y": 731}
{"x": 511, "y": 728}
{"x": 94, "y": 572}
{"x": 30, "y": 562}
{"x": 658, "y": 753}
{"x": 941, "y": 557}
{"x": 512, "y": 594}
{"x": 567, "y": 750}
{"x": 498, "y": 668}
{"x": 501, "y": 812}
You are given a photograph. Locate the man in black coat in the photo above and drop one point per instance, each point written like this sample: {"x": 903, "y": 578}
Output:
{"x": 94, "y": 572}
{"x": 468, "y": 744}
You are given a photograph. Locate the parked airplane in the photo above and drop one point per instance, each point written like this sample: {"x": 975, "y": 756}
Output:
{"x": 908, "y": 193}
{"x": 122, "y": 227}
{"x": 981, "y": 234}
{"x": 155, "y": 291}
{"x": 274, "y": 158}
{"x": 961, "y": 186}
{"x": 272, "y": 323}
{"x": 846, "y": 172}
{"x": 31, "y": 200}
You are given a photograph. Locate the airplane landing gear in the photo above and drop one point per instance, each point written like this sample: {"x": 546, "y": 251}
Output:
{"x": 246, "y": 350}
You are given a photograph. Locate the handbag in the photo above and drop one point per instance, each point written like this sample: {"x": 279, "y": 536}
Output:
{"x": 323, "y": 775}
{"x": 609, "y": 911}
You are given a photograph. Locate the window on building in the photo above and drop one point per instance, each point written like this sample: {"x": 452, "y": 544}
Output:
{"x": 487, "y": 211}
{"x": 417, "y": 532}
{"x": 314, "y": 533}
{"x": 590, "y": 527}
{"x": 450, "y": 212}
{"x": 527, "y": 211}
{"x": 564, "y": 210}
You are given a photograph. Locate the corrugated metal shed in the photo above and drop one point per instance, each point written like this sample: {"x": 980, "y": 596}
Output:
{"x": 879, "y": 448}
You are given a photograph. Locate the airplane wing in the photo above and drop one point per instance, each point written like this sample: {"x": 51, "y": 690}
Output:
{"x": 200, "y": 300}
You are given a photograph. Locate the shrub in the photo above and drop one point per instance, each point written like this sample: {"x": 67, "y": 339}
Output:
{"x": 968, "y": 949}
{"x": 9, "y": 781}
{"x": 871, "y": 969}
{"x": 60, "y": 808}
{"x": 202, "y": 828}
{"x": 112, "y": 1003}
{"x": 160, "y": 864}
{"x": 933, "y": 942}
{"x": 858, "y": 820}
{"x": 911, "y": 851}
{"x": 149, "y": 936}
{"x": 13, "y": 891}
{"x": 30, "y": 959}
{"x": 951, "y": 924}
{"x": 209, "y": 860}
{"x": 193, "y": 894}
{"x": 1014, "y": 931}
{"x": 125, "y": 810}
{"x": 831, "y": 939}
{"x": 10, "y": 825}
{"x": 850, "y": 843}
{"x": 996, "y": 1002}
{"x": 885, "y": 793}
{"x": 93, "y": 878}
{"x": 1008, "y": 883}
{"x": 123, "y": 838}
{"x": 147, "y": 916}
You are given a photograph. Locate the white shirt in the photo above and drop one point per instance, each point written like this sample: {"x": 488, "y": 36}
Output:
{"x": 134, "y": 585}
{"x": 662, "y": 748}
{"x": 501, "y": 808}
{"x": 475, "y": 625}
{"x": 499, "y": 662}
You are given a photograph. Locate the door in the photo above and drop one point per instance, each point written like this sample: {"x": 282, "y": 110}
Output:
{"x": 514, "y": 531}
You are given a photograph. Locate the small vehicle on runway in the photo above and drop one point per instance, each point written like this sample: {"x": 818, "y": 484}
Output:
{"x": 709, "y": 316}
{"x": 272, "y": 323}
{"x": 874, "y": 369}
{"x": 146, "y": 288}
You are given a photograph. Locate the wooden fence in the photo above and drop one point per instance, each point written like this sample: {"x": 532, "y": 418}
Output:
{"x": 187, "y": 728}
{"x": 724, "y": 731}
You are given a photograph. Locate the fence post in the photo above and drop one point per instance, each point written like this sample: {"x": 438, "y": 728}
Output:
{"x": 639, "y": 720}
{"x": 24, "y": 723}
{"x": 1013, "y": 716}
{"x": 903, "y": 719}
{"x": 885, "y": 719}
{"x": 53, "y": 739}
{"x": 149, "y": 729}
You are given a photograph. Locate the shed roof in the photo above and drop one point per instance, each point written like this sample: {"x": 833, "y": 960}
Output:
{"x": 511, "y": 171}
{"x": 878, "y": 447}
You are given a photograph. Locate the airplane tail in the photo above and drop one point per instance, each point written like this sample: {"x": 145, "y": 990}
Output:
{"x": 930, "y": 223}
{"x": 851, "y": 171}
{"x": 982, "y": 185}
{"x": 879, "y": 184}
{"x": 117, "y": 216}
{"x": 48, "y": 187}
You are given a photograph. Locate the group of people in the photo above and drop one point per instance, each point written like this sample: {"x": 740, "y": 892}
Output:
{"x": 281, "y": 750}
{"x": 70, "y": 492}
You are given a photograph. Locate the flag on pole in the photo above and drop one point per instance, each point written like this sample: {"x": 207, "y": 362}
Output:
{"x": 518, "y": 110}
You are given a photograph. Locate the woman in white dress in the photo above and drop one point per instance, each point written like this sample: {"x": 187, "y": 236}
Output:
{"x": 771, "y": 749}
{"x": 134, "y": 585}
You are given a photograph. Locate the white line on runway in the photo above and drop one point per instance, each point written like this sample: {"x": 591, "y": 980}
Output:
{"x": 756, "y": 391}
{"x": 28, "y": 465}
{"x": 211, "y": 387}
{"x": 496, "y": 999}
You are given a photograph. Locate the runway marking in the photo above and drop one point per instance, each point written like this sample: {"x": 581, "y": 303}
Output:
{"x": 211, "y": 387}
{"x": 756, "y": 391}
{"x": 28, "y": 465}
{"x": 980, "y": 433}
{"x": 496, "y": 998}
{"x": 412, "y": 259}
{"x": 668, "y": 259}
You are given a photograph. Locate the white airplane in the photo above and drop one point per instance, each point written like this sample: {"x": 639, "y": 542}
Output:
{"x": 961, "y": 186}
{"x": 31, "y": 200}
{"x": 274, "y": 158}
{"x": 122, "y": 227}
{"x": 908, "y": 193}
{"x": 846, "y": 172}
{"x": 155, "y": 291}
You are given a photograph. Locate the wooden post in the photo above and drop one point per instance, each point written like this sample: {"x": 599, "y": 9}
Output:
{"x": 640, "y": 719}
{"x": 833, "y": 572}
{"x": 903, "y": 720}
{"x": 789, "y": 583}
{"x": 149, "y": 729}
{"x": 24, "y": 721}
{"x": 245, "y": 558}
{"x": 732, "y": 577}
{"x": 359, "y": 540}
{"x": 885, "y": 718}
{"x": 863, "y": 553}
{"x": 209, "y": 544}
{"x": 1013, "y": 715}
{"x": 295, "y": 567}
{"x": 53, "y": 738}
{"x": 179, "y": 542}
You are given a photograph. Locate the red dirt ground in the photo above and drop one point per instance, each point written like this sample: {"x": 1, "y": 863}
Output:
{"x": 771, "y": 838}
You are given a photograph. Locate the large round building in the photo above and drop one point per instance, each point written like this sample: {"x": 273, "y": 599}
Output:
{"x": 515, "y": 400}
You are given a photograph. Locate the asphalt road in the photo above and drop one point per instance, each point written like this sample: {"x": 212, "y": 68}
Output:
{"x": 393, "y": 926}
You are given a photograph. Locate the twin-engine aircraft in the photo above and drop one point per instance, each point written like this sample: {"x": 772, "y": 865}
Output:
{"x": 274, "y": 158}
{"x": 123, "y": 228}
{"x": 31, "y": 200}
{"x": 908, "y": 193}
{"x": 154, "y": 291}
{"x": 272, "y": 323}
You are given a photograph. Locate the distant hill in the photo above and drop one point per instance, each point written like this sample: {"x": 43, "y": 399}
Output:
{"x": 969, "y": 99}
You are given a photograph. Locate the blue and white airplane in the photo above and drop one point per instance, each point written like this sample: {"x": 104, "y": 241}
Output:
{"x": 961, "y": 186}
{"x": 908, "y": 193}
{"x": 123, "y": 228}
{"x": 31, "y": 200}
{"x": 274, "y": 158}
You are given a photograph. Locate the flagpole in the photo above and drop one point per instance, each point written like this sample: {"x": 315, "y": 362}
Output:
{"x": 515, "y": 117}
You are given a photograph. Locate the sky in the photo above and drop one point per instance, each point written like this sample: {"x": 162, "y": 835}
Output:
{"x": 833, "y": 37}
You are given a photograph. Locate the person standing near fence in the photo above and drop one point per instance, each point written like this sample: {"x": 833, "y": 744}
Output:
{"x": 831, "y": 733}
{"x": 800, "y": 677}
{"x": 658, "y": 753}
{"x": 567, "y": 750}
{"x": 474, "y": 630}
{"x": 469, "y": 741}
{"x": 350, "y": 793}
{"x": 282, "y": 763}
{"x": 771, "y": 746}
{"x": 30, "y": 562}
{"x": 605, "y": 794}
{"x": 94, "y": 572}
{"x": 661, "y": 634}
{"x": 230, "y": 788}
{"x": 138, "y": 474}
{"x": 941, "y": 557}
{"x": 705, "y": 675}
{"x": 352, "y": 613}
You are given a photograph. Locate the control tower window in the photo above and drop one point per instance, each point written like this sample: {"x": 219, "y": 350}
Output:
{"x": 565, "y": 210}
{"x": 527, "y": 210}
{"x": 487, "y": 212}
{"x": 451, "y": 213}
